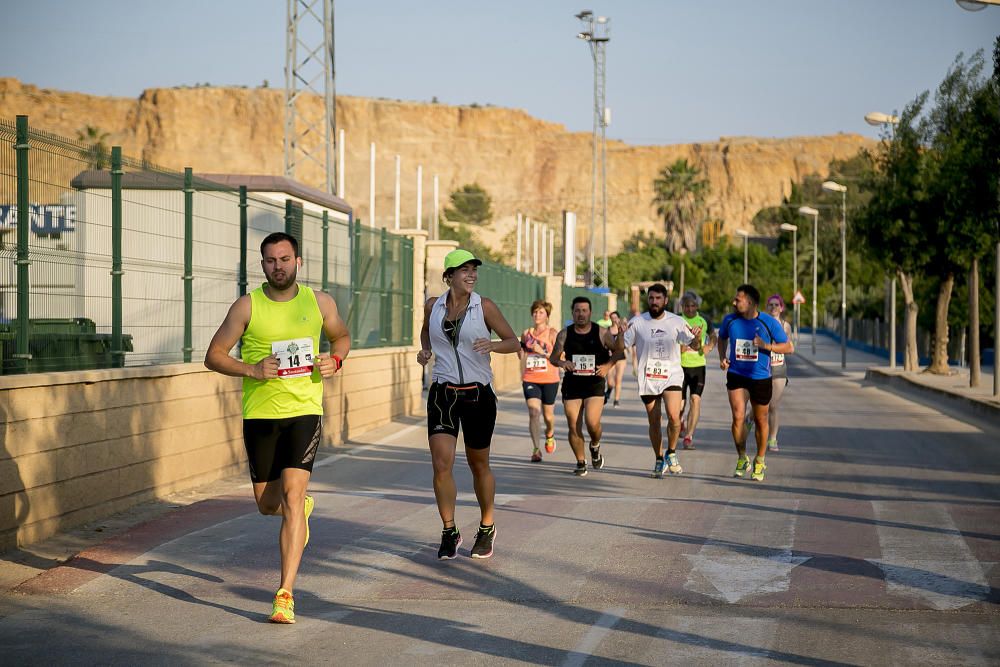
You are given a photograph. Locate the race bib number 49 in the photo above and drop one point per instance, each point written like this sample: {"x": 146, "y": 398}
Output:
{"x": 745, "y": 350}
{"x": 585, "y": 364}
{"x": 295, "y": 357}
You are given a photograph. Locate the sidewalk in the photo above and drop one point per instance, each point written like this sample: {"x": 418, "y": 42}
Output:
{"x": 950, "y": 392}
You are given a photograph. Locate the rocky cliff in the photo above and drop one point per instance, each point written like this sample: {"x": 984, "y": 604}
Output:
{"x": 527, "y": 165}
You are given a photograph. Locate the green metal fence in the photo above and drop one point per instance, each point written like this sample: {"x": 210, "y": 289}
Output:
{"x": 598, "y": 302}
{"x": 512, "y": 291}
{"x": 120, "y": 262}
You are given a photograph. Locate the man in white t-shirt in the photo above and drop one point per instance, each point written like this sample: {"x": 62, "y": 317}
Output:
{"x": 658, "y": 336}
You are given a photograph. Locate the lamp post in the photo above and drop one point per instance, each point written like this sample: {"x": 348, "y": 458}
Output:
{"x": 809, "y": 210}
{"x": 833, "y": 186}
{"x": 878, "y": 119}
{"x": 746, "y": 238}
{"x": 794, "y": 229}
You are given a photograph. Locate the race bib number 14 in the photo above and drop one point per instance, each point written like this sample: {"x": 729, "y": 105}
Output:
{"x": 295, "y": 357}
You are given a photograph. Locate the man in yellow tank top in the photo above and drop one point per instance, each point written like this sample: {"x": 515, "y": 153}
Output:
{"x": 279, "y": 324}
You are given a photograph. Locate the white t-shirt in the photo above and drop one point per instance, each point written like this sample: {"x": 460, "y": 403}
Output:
{"x": 658, "y": 350}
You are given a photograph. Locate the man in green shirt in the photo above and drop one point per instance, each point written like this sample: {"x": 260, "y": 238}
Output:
{"x": 693, "y": 365}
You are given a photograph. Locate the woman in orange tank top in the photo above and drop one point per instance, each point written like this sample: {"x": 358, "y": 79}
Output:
{"x": 539, "y": 378}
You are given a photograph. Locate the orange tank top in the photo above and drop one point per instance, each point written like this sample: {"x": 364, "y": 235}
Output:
{"x": 537, "y": 368}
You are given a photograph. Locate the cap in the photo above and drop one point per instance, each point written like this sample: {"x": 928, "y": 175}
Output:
{"x": 458, "y": 257}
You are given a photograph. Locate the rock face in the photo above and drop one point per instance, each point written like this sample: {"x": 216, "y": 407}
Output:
{"x": 525, "y": 164}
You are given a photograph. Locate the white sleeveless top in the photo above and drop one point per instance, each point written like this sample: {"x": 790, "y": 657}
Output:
{"x": 460, "y": 365}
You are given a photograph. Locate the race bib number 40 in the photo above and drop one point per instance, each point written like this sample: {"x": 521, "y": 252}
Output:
{"x": 585, "y": 364}
{"x": 536, "y": 362}
{"x": 295, "y": 357}
{"x": 745, "y": 350}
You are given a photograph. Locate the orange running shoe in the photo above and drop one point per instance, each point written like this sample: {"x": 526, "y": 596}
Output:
{"x": 284, "y": 607}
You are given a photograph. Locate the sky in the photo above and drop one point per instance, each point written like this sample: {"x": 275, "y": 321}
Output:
{"x": 678, "y": 71}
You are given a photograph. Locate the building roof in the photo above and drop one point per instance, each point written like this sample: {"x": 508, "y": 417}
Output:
{"x": 158, "y": 180}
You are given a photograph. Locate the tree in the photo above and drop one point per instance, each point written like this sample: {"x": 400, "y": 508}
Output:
{"x": 468, "y": 240}
{"x": 680, "y": 192}
{"x": 96, "y": 153}
{"x": 470, "y": 204}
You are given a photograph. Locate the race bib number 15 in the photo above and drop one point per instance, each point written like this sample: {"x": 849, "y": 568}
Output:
{"x": 745, "y": 350}
{"x": 585, "y": 364}
{"x": 295, "y": 357}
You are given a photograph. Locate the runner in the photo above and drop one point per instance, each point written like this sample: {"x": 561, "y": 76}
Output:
{"x": 617, "y": 374}
{"x": 279, "y": 324}
{"x": 746, "y": 358}
{"x": 588, "y": 349}
{"x": 779, "y": 370}
{"x": 539, "y": 378}
{"x": 658, "y": 336}
{"x": 693, "y": 365}
{"x": 456, "y": 332}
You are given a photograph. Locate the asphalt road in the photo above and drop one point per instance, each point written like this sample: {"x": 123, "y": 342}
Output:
{"x": 873, "y": 540}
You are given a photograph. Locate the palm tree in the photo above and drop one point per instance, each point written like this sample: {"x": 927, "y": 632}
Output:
{"x": 96, "y": 153}
{"x": 680, "y": 192}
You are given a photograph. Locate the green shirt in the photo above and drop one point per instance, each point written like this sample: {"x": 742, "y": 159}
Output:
{"x": 692, "y": 359}
{"x": 278, "y": 322}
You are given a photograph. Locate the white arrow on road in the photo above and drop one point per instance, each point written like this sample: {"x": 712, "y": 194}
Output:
{"x": 748, "y": 552}
{"x": 925, "y": 556}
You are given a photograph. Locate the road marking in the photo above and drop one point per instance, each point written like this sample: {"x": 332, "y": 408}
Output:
{"x": 595, "y": 635}
{"x": 357, "y": 450}
{"x": 934, "y": 565}
{"x": 734, "y": 563}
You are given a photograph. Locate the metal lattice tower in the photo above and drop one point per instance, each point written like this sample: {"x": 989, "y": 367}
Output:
{"x": 597, "y": 34}
{"x": 310, "y": 136}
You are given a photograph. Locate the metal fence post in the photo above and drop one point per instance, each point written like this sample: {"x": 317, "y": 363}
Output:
{"x": 383, "y": 314}
{"x": 117, "y": 349}
{"x": 352, "y": 315}
{"x": 188, "y": 252}
{"x": 326, "y": 251}
{"x": 21, "y": 353}
{"x": 243, "y": 241}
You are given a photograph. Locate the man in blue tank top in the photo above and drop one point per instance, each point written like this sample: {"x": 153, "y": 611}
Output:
{"x": 747, "y": 338}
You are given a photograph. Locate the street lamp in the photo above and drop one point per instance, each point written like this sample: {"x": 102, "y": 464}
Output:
{"x": 876, "y": 119}
{"x": 794, "y": 229}
{"x": 809, "y": 210}
{"x": 746, "y": 237}
{"x": 833, "y": 186}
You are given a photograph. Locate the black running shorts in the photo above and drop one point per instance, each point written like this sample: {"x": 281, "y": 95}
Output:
{"x": 575, "y": 387}
{"x": 473, "y": 406}
{"x": 649, "y": 398}
{"x": 694, "y": 380}
{"x": 760, "y": 390}
{"x": 275, "y": 444}
{"x": 546, "y": 392}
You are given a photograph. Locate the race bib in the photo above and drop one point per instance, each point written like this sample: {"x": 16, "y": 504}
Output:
{"x": 777, "y": 359}
{"x": 586, "y": 364}
{"x": 656, "y": 369}
{"x": 537, "y": 362}
{"x": 295, "y": 357}
{"x": 745, "y": 350}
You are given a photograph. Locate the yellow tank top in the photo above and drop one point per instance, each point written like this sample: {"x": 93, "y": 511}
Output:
{"x": 292, "y": 330}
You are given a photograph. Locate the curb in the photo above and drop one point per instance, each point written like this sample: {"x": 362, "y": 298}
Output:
{"x": 970, "y": 405}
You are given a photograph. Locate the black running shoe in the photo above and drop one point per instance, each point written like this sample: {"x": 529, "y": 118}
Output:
{"x": 581, "y": 469}
{"x": 483, "y": 548}
{"x": 596, "y": 460}
{"x": 450, "y": 541}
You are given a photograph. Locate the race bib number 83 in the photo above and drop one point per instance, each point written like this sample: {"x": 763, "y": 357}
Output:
{"x": 295, "y": 357}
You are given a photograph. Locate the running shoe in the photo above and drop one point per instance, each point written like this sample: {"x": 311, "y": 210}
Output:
{"x": 658, "y": 469}
{"x": 617, "y": 402}
{"x": 772, "y": 444}
{"x": 581, "y": 469}
{"x": 483, "y": 548}
{"x": 550, "y": 444}
{"x": 451, "y": 540}
{"x": 688, "y": 442}
{"x": 742, "y": 465}
{"x": 596, "y": 460}
{"x": 607, "y": 395}
{"x": 310, "y": 503}
{"x": 536, "y": 456}
{"x": 284, "y": 607}
{"x": 673, "y": 465}
{"x": 758, "y": 470}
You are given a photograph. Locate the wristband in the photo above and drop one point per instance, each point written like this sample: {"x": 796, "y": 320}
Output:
{"x": 340, "y": 362}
